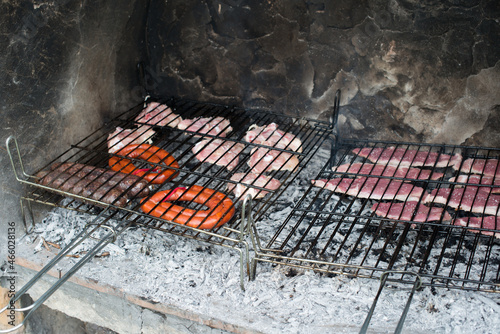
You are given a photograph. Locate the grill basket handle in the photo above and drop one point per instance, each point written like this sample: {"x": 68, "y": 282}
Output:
{"x": 383, "y": 279}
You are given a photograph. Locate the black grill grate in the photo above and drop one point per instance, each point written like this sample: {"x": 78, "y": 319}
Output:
{"x": 336, "y": 233}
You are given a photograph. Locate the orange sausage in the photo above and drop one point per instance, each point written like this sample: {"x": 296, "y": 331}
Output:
{"x": 220, "y": 207}
{"x": 148, "y": 153}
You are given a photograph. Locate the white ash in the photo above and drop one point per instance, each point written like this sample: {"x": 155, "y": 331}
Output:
{"x": 204, "y": 279}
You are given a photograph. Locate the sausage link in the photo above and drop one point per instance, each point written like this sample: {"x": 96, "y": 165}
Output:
{"x": 82, "y": 187}
{"x": 148, "y": 153}
{"x": 132, "y": 184}
{"x": 220, "y": 207}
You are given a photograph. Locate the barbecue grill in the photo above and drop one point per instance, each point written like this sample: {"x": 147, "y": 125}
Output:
{"x": 93, "y": 150}
{"x": 323, "y": 231}
{"x": 340, "y": 234}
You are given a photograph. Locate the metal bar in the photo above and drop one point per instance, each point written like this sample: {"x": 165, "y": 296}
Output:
{"x": 383, "y": 279}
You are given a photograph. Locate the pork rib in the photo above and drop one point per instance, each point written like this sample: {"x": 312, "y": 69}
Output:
{"x": 487, "y": 222}
{"x": 469, "y": 199}
{"x": 270, "y": 135}
{"x": 372, "y": 188}
{"x": 158, "y": 114}
{"x": 406, "y": 211}
{"x": 215, "y": 126}
{"x": 405, "y": 157}
{"x": 486, "y": 167}
{"x": 247, "y": 180}
{"x": 218, "y": 151}
{"x": 388, "y": 170}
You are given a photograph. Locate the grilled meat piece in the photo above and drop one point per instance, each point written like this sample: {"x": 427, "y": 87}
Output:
{"x": 90, "y": 189}
{"x": 388, "y": 170}
{"x": 159, "y": 115}
{"x": 270, "y": 135}
{"x": 217, "y": 151}
{"x": 133, "y": 185}
{"x": 372, "y": 188}
{"x": 265, "y": 160}
{"x": 486, "y": 167}
{"x": 124, "y": 137}
{"x": 215, "y": 126}
{"x": 410, "y": 211}
{"x": 252, "y": 179}
{"x": 487, "y": 222}
{"x": 467, "y": 198}
{"x": 405, "y": 157}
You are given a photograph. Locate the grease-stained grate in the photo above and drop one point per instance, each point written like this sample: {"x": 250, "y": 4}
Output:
{"x": 356, "y": 219}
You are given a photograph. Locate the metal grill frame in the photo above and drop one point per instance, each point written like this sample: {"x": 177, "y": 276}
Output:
{"x": 93, "y": 150}
{"x": 297, "y": 240}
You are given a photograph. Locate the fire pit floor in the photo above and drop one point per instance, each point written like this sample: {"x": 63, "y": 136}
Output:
{"x": 199, "y": 283}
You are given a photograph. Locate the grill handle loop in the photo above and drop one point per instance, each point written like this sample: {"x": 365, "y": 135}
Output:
{"x": 11, "y": 143}
{"x": 85, "y": 234}
{"x": 383, "y": 279}
{"x": 334, "y": 128}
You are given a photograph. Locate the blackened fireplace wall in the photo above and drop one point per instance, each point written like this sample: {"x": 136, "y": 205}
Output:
{"x": 425, "y": 71}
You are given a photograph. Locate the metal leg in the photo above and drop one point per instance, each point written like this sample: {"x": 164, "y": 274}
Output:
{"x": 383, "y": 280}
{"x": 86, "y": 233}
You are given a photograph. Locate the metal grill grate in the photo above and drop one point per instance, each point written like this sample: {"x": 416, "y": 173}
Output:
{"x": 337, "y": 233}
{"x": 93, "y": 151}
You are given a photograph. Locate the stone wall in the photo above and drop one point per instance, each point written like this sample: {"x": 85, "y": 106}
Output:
{"x": 65, "y": 67}
{"x": 409, "y": 70}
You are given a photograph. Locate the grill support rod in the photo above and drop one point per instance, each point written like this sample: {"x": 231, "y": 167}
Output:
{"x": 383, "y": 280}
{"x": 87, "y": 232}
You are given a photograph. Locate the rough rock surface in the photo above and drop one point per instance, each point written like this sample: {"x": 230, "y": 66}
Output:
{"x": 408, "y": 70}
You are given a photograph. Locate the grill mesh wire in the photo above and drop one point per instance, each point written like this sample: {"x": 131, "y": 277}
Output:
{"x": 93, "y": 150}
{"x": 340, "y": 234}
{"x": 324, "y": 231}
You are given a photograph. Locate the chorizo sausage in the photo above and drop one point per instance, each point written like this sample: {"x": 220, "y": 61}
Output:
{"x": 82, "y": 187}
{"x": 148, "y": 153}
{"x": 220, "y": 207}
{"x": 132, "y": 184}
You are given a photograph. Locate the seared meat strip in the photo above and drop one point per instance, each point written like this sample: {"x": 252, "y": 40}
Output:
{"x": 372, "y": 188}
{"x": 467, "y": 199}
{"x": 215, "y": 126}
{"x": 488, "y": 222}
{"x": 252, "y": 179}
{"x": 486, "y": 167}
{"x": 217, "y": 151}
{"x": 405, "y": 157}
{"x": 388, "y": 170}
{"x": 159, "y": 115}
{"x": 479, "y": 179}
{"x": 406, "y": 211}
